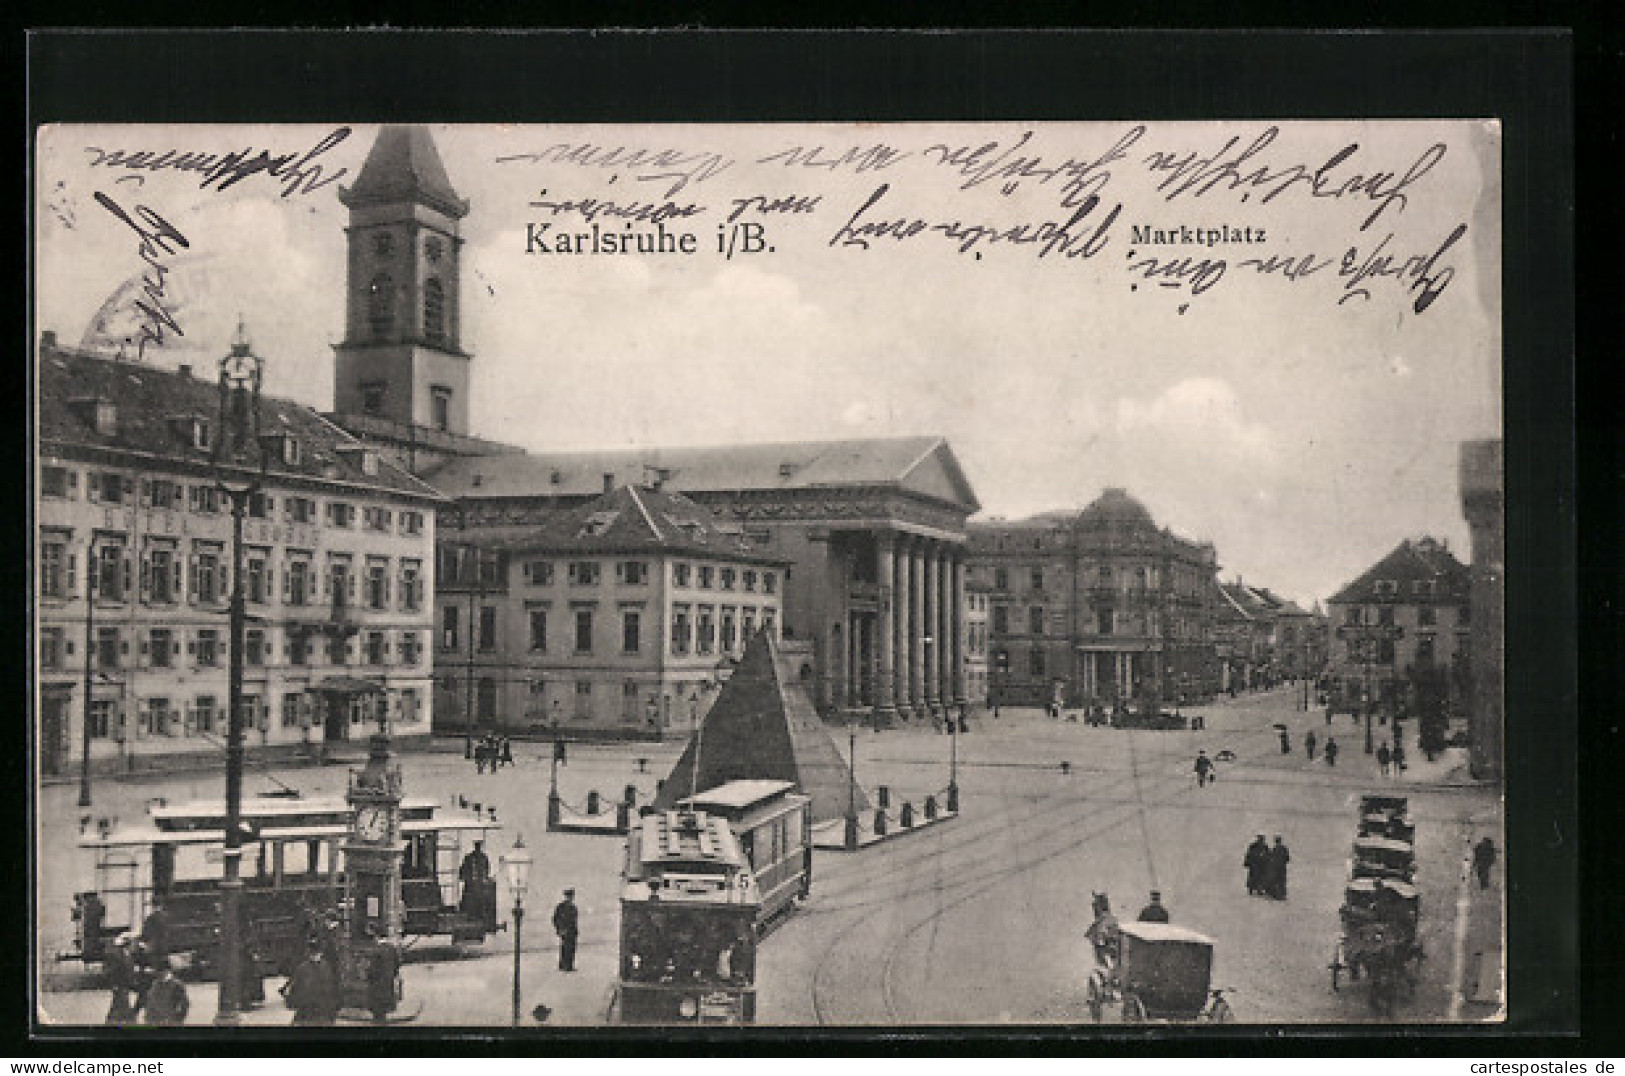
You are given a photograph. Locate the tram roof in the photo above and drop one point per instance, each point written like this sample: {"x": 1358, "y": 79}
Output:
{"x": 668, "y": 838}
{"x": 1164, "y": 932}
{"x": 141, "y": 836}
{"x": 737, "y": 794}
{"x": 207, "y": 810}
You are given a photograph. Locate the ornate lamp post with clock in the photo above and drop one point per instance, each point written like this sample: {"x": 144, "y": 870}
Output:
{"x": 372, "y": 875}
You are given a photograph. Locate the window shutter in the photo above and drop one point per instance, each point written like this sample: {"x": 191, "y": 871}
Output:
{"x": 287, "y": 574}
{"x": 175, "y": 578}
{"x": 386, "y": 588}
{"x": 72, "y": 582}
{"x": 144, "y": 716}
{"x": 73, "y": 481}
{"x": 350, "y": 585}
{"x": 191, "y": 721}
{"x": 145, "y": 643}
{"x": 121, "y": 724}
{"x": 126, "y": 573}
{"x": 146, "y": 576}
{"x": 270, "y": 580}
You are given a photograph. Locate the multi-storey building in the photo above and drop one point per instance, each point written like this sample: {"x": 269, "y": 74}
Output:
{"x": 129, "y": 514}
{"x": 976, "y": 644}
{"x": 1483, "y": 502}
{"x": 620, "y": 617}
{"x": 1403, "y": 626}
{"x": 1101, "y": 605}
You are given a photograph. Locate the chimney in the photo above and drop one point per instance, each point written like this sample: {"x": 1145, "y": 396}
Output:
{"x": 47, "y": 339}
{"x": 609, "y": 481}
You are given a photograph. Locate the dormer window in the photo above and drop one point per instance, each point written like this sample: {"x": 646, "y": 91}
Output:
{"x": 193, "y": 430}
{"x": 786, "y": 470}
{"x": 99, "y": 414}
{"x": 364, "y": 457}
{"x": 284, "y": 448}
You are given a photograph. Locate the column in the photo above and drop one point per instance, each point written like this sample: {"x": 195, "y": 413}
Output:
{"x": 900, "y": 637}
{"x": 957, "y": 657}
{"x": 928, "y": 628}
{"x": 835, "y": 687}
{"x": 945, "y": 630}
{"x": 885, "y": 673}
{"x": 916, "y": 629}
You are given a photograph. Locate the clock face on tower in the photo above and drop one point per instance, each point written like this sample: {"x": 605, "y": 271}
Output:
{"x": 372, "y": 823}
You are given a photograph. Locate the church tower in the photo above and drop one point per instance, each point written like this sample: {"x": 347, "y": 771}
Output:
{"x": 402, "y": 358}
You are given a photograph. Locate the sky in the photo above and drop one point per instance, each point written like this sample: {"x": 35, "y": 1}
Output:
{"x": 1302, "y": 420}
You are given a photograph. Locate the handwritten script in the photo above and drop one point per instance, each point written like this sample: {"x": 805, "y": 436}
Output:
{"x": 159, "y": 240}
{"x": 298, "y": 173}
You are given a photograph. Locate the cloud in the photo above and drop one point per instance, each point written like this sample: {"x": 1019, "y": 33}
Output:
{"x": 1202, "y": 414}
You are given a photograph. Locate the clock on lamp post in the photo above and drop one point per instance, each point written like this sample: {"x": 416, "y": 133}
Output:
{"x": 372, "y": 869}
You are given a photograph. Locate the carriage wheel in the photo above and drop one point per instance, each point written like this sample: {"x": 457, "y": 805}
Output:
{"x": 1133, "y": 1010}
{"x": 1221, "y": 1013}
{"x": 1096, "y": 1002}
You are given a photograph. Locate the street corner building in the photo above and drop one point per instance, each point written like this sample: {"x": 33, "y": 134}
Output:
{"x": 133, "y": 552}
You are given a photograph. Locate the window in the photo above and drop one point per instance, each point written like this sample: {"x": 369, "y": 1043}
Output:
{"x": 538, "y": 630}
{"x": 377, "y": 584}
{"x": 770, "y": 583}
{"x": 203, "y": 714}
{"x": 747, "y": 625}
{"x": 750, "y": 581}
{"x": 1001, "y": 578}
{"x": 440, "y": 405}
{"x": 208, "y": 648}
{"x": 728, "y": 631}
{"x": 631, "y": 632}
{"x": 1353, "y": 615}
{"x": 1038, "y": 579}
{"x": 161, "y": 647}
{"x": 768, "y": 623}
{"x": 707, "y": 573}
{"x": 434, "y": 310}
{"x": 583, "y": 573}
{"x": 163, "y": 576}
{"x": 50, "y": 648}
{"x": 381, "y": 304}
{"x": 55, "y": 569}
{"x": 411, "y": 522}
{"x": 1385, "y": 651}
{"x": 261, "y": 505}
{"x": 1385, "y": 615}
{"x": 411, "y": 585}
{"x": 1103, "y": 622}
{"x": 372, "y": 397}
{"x": 488, "y": 699}
{"x": 297, "y": 583}
{"x": 377, "y": 519}
{"x": 411, "y": 708}
{"x": 1035, "y": 620}
{"x": 109, "y": 487}
{"x": 1036, "y": 662}
{"x": 254, "y": 646}
{"x": 1001, "y": 620}
{"x": 340, "y": 514}
{"x": 294, "y": 646}
{"x": 258, "y": 578}
{"x": 291, "y": 717}
{"x": 539, "y": 573}
{"x": 1424, "y": 651}
{"x": 680, "y": 630}
{"x": 488, "y": 627}
{"x": 411, "y": 653}
{"x": 633, "y": 573}
{"x": 102, "y": 720}
{"x": 203, "y": 498}
{"x": 629, "y": 701}
{"x": 679, "y": 574}
{"x": 340, "y": 583}
{"x": 583, "y": 699}
{"x": 159, "y": 721}
{"x": 1425, "y": 616}
{"x": 583, "y": 631}
{"x": 490, "y": 567}
{"x": 707, "y": 632}
{"x": 375, "y": 648}
{"x": 299, "y": 509}
{"x": 449, "y": 627}
{"x": 55, "y": 481}
{"x": 727, "y": 579}
{"x": 112, "y": 572}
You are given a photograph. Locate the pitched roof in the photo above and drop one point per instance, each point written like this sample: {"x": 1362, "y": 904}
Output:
{"x": 763, "y": 726}
{"x": 404, "y": 166}
{"x": 790, "y": 465}
{"x": 632, "y": 519}
{"x": 149, "y": 399}
{"x": 1411, "y": 561}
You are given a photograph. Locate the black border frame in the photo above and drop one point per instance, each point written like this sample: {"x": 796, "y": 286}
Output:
{"x": 1524, "y": 77}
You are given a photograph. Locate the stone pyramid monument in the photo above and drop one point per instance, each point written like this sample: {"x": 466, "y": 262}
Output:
{"x": 763, "y": 727}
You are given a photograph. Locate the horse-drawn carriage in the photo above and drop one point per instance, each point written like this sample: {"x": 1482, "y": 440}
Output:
{"x": 1385, "y": 816}
{"x": 1152, "y": 971}
{"x": 1380, "y": 939}
{"x": 1383, "y": 857}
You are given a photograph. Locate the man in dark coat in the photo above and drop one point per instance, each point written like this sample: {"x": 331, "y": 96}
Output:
{"x": 1286, "y": 743}
{"x": 121, "y": 980}
{"x": 1204, "y": 767}
{"x": 313, "y": 990}
{"x": 566, "y": 926}
{"x": 155, "y": 932}
{"x": 1275, "y": 869}
{"x": 1483, "y": 860}
{"x": 167, "y": 1002}
{"x": 382, "y": 971}
{"x": 475, "y": 874}
{"x": 1258, "y": 854}
{"x": 1309, "y": 744}
{"x": 1384, "y": 757}
{"x": 1154, "y": 912}
{"x": 1331, "y": 751}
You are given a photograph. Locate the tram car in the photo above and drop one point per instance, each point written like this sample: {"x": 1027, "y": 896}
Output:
{"x": 1383, "y": 857}
{"x": 773, "y": 824}
{"x": 1381, "y": 937}
{"x": 689, "y": 910}
{"x": 292, "y": 873}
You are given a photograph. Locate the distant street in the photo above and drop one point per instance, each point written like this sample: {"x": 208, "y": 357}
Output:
{"x": 977, "y": 920}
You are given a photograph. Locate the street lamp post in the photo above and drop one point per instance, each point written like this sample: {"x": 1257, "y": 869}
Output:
{"x": 90, "y": 654}
{"x": 852, "y": 788}
{"x": 953, "y": 765}
{"x": 517, "y": 864}
{"x": 240, "y": 375}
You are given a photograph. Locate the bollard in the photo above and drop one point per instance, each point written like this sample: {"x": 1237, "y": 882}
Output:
{"x": 592, "y": 802}
{"x": 630, "y": 796}
{"x": 908, "y": 816}
{"x": 953, "y": 799}
{"x": 1066, "y": 768}
{"x": 623, "y": 816}
{"x": 552, "y": 811}
{"x": 885, "y": 796}
{"x": 880, "y": 823}
{"x": 930, "y": 808}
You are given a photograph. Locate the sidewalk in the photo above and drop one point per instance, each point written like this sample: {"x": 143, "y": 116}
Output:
{"x": 1482, "y": 987}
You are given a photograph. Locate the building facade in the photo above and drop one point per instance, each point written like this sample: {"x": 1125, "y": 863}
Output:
{"x": 133, "y": 557}
{"x": 977, "y": 615}
{"x": 1403, "y": 628}
{"x": 1483, "y": 502}
{"x": 1101, "y": 605}
{"x": 617, "y": 618}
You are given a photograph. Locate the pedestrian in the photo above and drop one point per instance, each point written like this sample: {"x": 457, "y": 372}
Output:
{"x": 1154, "y": 912}
{"x": 560, "y": 755}
{"x": 566, "y": 926}
{"x": 479, "y": 757}
{"x": 167, "y": 1002}
{"x": 1309, "y": 744}
{"x": 507, "y": 751}
{"x": 155, "y": 932}
{"x": 1384, "y": 758}
{"x": 1399, "y": 758}
{"x": 1286, "y": 743}
{"x": 1256, "y": 861}
{"x": 475, "y": 874}
{"x": 121, "y": 981}
{"x": 1204, "y": 766}
{"x": 383, "y": 975}
{"x": 312, "y": 991}
{"x": 1483, "y": 860}
{"x": 1328, "y": 715}
{"x": 1331, "y": 751}
{"x": 1279, "y": 857}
